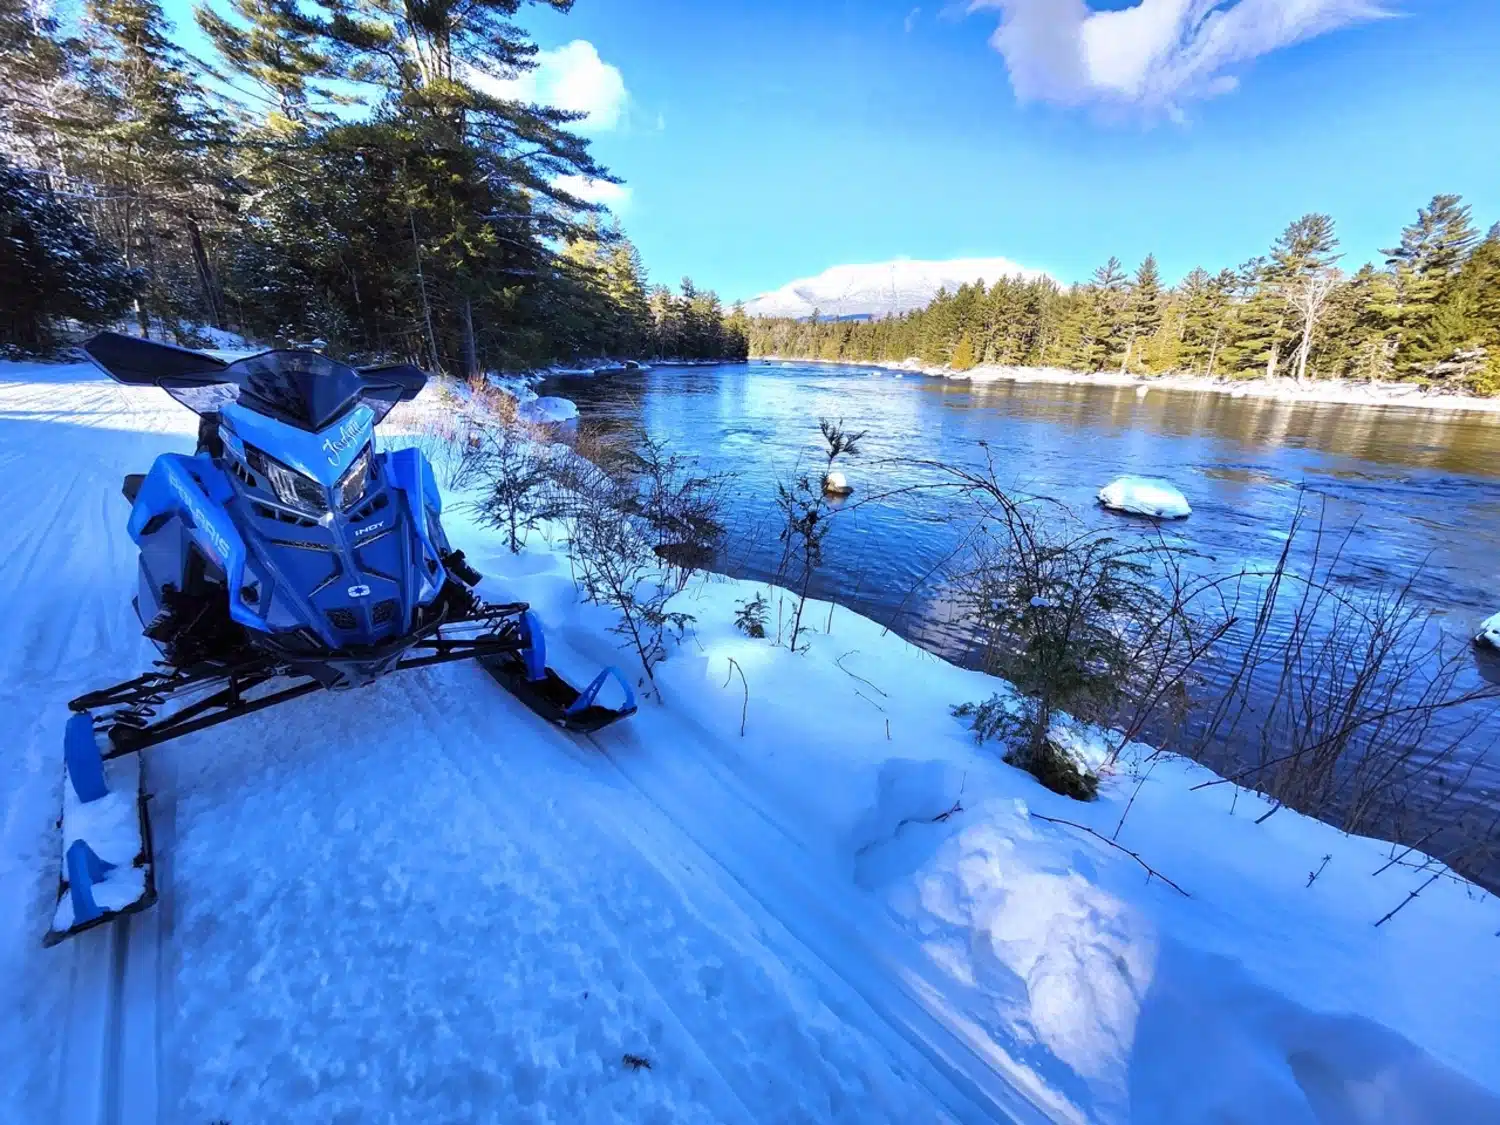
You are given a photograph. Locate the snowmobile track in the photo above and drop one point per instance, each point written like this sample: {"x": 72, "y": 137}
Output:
{"x": 824, "y": 933}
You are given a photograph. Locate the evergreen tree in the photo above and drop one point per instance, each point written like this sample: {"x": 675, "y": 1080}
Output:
{"x": 1104, "y": 319}
{"x": 1464, "y": 333}
{"x": 52, "y": 267}
{"x": 268, "y": 44}
{"x": 32, "y": 60}
{"x": 1143, "y": 309}
{"x": 149, "y": 136}
{"x": 963, "y": 354}
{"x": 1425, "y": 262}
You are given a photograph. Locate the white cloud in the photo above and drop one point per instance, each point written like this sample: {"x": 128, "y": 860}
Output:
{"x": 573, "y": 77}
{"x": 911, "y": 19}
{"x": 614, "y": 196}
{"x": 1156, "y": 55}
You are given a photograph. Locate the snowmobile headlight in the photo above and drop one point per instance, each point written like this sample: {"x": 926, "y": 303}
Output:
{"x": 350, "y": 489}
{"x": 291, "y": 487}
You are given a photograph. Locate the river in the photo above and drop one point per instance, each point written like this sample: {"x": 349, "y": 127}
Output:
{"x": 1419, "y": 488}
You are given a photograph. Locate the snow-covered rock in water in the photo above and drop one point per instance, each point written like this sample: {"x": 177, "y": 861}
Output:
{"x": 835, "y": 484}
{"x": 1145, "y": 496}
{"x": 1489, "y": 633}
{"x": 547, "y": 410}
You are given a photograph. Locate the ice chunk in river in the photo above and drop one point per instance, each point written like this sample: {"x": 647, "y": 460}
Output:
{"x": 1145, "y": 496}
{"x": 1489, "y": 633}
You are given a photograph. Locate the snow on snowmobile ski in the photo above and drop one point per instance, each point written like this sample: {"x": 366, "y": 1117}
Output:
{"x": 284, "y": 557}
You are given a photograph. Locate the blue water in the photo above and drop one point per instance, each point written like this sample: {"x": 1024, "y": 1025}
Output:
{"x": 1419, "y": 488}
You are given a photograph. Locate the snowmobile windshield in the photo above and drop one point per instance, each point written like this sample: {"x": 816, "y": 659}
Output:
{"x": 302, "y": 388}
{"x": 306, "y": 389}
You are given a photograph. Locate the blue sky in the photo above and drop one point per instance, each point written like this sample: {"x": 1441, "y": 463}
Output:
{"x": 766, "y": 141}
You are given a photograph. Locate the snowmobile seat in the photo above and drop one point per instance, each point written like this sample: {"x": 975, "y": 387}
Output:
{"x": 132, "y": 486}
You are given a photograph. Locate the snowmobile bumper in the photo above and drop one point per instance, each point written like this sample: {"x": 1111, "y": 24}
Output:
{"x": 108, "y": 869}
{"x": 526, "y": 676}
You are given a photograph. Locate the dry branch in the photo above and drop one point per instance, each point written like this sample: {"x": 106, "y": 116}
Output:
{"x": 1150, "y": 871}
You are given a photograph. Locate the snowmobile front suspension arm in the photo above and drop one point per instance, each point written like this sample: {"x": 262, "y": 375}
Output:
{"x": 131, "y": 731}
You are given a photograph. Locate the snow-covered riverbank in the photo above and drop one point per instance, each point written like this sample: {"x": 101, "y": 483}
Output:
{"x": 1281, "y": 390}
{"x": 795, "y": 885}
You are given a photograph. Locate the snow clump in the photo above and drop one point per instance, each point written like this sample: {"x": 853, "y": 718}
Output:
{"x": 1145, "y": 496}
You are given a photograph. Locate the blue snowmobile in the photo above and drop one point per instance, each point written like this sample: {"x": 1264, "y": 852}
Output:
{"x": 285, "y": 557}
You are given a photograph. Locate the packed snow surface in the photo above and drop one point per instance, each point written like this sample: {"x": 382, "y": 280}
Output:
{"x": 881, "y": 288}
{"x": 1145, "y": 496}
{"x": 1489, "y": 632}
{"x": 793, "y": 884}
{"x": 547, "y": 410}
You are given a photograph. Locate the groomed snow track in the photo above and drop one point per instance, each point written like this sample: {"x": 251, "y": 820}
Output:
{"x": 417, "y": 902}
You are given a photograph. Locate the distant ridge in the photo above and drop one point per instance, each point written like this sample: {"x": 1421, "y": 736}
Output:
{"x": 881, "y": 288}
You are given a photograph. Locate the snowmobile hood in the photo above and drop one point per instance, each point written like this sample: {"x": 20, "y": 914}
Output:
{"x": 324, "y": 455}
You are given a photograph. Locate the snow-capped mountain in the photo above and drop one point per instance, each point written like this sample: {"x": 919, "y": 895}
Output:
{"x": 880, "y": 288}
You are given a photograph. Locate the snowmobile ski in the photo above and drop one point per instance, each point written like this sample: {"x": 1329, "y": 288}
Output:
{"x": 108, "y": 869}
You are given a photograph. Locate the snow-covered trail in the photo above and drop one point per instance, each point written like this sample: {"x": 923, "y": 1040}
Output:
{"x": 65, "y": 620}
{"x": 413, "y": 902}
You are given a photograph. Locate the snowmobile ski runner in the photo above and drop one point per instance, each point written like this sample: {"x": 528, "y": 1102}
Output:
{"x": 285, "y": 556}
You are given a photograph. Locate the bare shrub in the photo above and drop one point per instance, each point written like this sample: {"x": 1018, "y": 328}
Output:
{"x": 805, "y": 512}
{"x": 1079, "y": 620}
{"x": 513, "y": 473}
{"x": 1348, "y": 698}
{"x": 681, "y": 507}
{"x": 639, "y": 522}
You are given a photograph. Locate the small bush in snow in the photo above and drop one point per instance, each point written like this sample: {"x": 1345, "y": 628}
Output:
{"x": 680, "y": 506}
{"x": 615, "y": 564}
{"x": 1047, "y": 761}
{"x": 513, "y": 473}
{"x": 639, "y": 522}
{"x": 750, "y": 618}
{"x": 805, "y": 512}
{"x": 1082, "y": 622}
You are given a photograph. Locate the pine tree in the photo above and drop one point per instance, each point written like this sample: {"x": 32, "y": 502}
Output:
{"x": 52, "y": 267}
{"x": 1431, "y": 252}
{"x": 1104, "y": 320}
{"x": 963, "y": 354}
{"x": 1464, "y": 331}
{"x": 1205, "y": 318}
{"x": 267, "y": 43}
{"x": 1143, "y": 310}
{"x": 148, "y": 134}
{"x": 32, "y": 61}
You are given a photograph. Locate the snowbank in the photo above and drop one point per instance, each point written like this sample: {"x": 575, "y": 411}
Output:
{"x": 1145, "y": 496}
{"x": 547, "y": 410}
